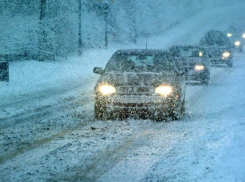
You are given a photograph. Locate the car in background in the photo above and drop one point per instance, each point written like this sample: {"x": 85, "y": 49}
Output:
{"x": 236, "y": 34}
{"x": 218, "y": 47}
{"x": 194, "y": 60}
{"x": 141, "y": 81}
{"x": 215, "y": 38}
{"x": 220, "y": 56}
{"x": 4, "y": 68}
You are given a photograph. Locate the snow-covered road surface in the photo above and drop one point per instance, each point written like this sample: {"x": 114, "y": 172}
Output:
{"x": 48, "y": 133}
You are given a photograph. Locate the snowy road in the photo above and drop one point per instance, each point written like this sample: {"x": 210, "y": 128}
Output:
{"x": 51, "y": 135}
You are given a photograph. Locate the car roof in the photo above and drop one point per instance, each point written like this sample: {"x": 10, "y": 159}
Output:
{"x": 216, "y": 47}
{"x": 189, "y": 46}
{"x": 142, "y": 51}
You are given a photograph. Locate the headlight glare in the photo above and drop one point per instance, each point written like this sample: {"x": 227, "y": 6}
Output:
{"x": 243, "y": 35}
{"x": 164, "y": 90}
{"x": 200, "y": 54}
{"x": 237, "y": 43}
{"x": 199, "y": 67}
{"x": 226, "y": 54}
{"x": 106, "y": 89}
{"x": 229, "y": 35}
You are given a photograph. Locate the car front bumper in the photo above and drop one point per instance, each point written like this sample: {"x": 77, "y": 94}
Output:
{"x": 197, "y": 76}
{"x": 220, "y": 61}
{"x": 135, "y": 102}
{"x": 238, "y": 48}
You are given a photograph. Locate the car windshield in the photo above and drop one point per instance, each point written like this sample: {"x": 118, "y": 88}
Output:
{"x": 139, "y": 62}
{"x": 235, "y": 31}
{"x": 217, "y": 51}
{"x": 215, "y": 38}
{"x": 190, "y": 52}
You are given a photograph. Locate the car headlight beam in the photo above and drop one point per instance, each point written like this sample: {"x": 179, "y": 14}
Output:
{"x": 106, "y": 89}
{"x": 229, "y": 35}
{"x": 226, "y": 54}
{"x": 199, "y": 67}
{"x": 164, "y": 90}
{"x": 243, "y": 35}
{"x": 237, "y": 43}
{"x": 200, "y": 54}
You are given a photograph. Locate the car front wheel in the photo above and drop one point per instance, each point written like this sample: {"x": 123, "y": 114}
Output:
{"x": 240, "y": 50}
{"x": 204, "y": 82}
{"x": 229, "y": 63}
{"x": 100, "y": 112}
{"x": 178, "y": 110}
{"x": 183, "y": 108}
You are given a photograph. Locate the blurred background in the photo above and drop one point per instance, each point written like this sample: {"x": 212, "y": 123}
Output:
{"x": 58, "y": 28}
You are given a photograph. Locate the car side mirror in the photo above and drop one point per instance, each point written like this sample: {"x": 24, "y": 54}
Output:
{"x": 98, "y": 70}
{"x": 180, "y": 72}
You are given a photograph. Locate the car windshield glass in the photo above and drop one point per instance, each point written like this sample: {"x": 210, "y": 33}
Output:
{"x": 217, "y": 52}
{"x": 235, "y": 32}
{"x": 190, "y": 52}
{"x": 139, "y": 63}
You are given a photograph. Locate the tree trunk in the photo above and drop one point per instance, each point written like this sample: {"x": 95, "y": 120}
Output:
{"x": 42, "y": 32}
{"x": 106, "y": 31}
{"x": 106, "y": 11}
{"x": 79, "y": 27}
{"x": 43, "y": 10}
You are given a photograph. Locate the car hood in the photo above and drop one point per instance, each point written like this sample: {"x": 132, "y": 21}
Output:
{"x": 192, "y": 61}
{"x": 218, "y": 51}
{"x": 137, "y": 79}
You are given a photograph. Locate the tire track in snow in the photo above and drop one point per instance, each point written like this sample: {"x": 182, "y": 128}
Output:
{"x": 105, "y": 161}
{"x": 52, "y": 114}
{"x": 39, "y": 142}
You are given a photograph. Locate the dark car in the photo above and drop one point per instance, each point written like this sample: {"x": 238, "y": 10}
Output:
{"x": 220, "y": 56}
{"x": 236, "y": 34}
{"x": 215, "y": 38}
{"x": 4, "y": 68}
{"x": 147, "y": 82}
{"x": 195, "y": 61}
{"x": 219, "y": 47}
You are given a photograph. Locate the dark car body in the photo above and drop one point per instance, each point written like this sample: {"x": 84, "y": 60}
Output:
{"x": 215, "y": 38}
{"x": 236, "y": 34}
{"x": 4, "y": 68}
{"x": 195, "y": 61}
{"x": 219, "y": 47}
{"x": 134, "y": 79}
{"x": 220, "y": 55}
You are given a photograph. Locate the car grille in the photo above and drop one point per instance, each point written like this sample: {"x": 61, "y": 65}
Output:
{"x": 136, "y": 105}
{"x": 135, "y": 90}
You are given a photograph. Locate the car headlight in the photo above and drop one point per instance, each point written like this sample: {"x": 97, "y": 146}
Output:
{"x": 237, "y": 43}
{"x": 243, "y": 35}
{"x": 106, "y": 89}
{"x": 199, "y": 67}
{"x": 226, "y": 54}
{"x": 229, "y": 35}
{"x": 164, "y": 90}
{"x": 200, "y": 54}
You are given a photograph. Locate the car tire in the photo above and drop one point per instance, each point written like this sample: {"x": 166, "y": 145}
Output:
{"x": 183, "y": 108}
{"x": 205, "y": 82}
{"x": 240, "y": 50}
{"x": 177, "y": 110}
{"x": 100, "y": 112}
{"x": 229, "y": 64}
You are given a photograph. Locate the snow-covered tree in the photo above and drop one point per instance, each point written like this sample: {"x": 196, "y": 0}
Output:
{"x": 23, "y": 30}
